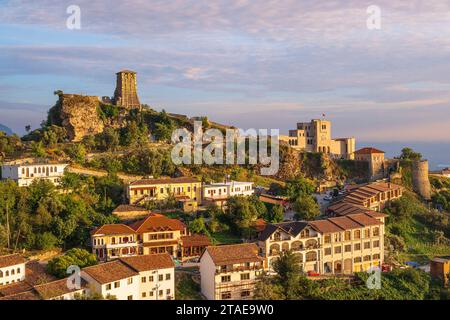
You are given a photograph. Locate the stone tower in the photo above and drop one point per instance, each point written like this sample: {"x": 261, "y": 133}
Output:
{"x": 126, "y": 90}
{"x": 421, "y": 183}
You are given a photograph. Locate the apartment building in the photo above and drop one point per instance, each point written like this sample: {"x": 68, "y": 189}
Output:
{"x": 375, "y": 160}
{"x": 373, "y": 196}
{"x": 340, "y": 245}
{"x": 230, "y": 271}
{"x": 154, "y": 234}
{"x": 219, "y": 193}
{"x": 25, "y": 173}
{"x": 315, "y": 136}
{"x": 150, "y": 277}
{"x": 12, "y": 269}
{"x": 184, "y": 189}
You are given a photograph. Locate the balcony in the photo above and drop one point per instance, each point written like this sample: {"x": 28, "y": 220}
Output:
{"x": 121, "y": 245}
{"x": 238, "y": 269}
{"x": 231, "y": 284}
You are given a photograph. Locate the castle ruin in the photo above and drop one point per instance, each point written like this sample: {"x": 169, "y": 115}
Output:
{"x": 125, "y": 94}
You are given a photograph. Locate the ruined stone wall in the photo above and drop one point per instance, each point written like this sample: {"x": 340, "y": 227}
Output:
{"x": 421, "y": 182}
{"x": 78, "y": 114}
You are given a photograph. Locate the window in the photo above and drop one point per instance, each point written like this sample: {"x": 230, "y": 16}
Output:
{"x": 167, "y": 291}
{"x": 108, "y": 287}
{"x": 338, "y": 249}
{"x": 130, "y": 280}
{"x": 226, "y": 279}
{"x": 245, "y": 276}
{"x": 160, "y": 277}
{"x": 117, "y": 284}
{"x": 150, "y": 279}
{"x": 376, "y": 256}
{"x": 327, "y": 251}
{"x": 357, "y": 234}
{"x": 366, "y": 245}
{"x": 357, "y": 246}
{"x": 161, "y": 190}
{"x": 337, "y": 237}
{"x": 366, "y": 233}
{"x": 150, "y": 294}
{"x": 357, "y": 260}
{"x": 245, "y": 293}
{"x": 366, "y": 258}
{"x": 348, "y": 248}
{"x": 347, "y": 235}
{"x": 226, "y": 295}
{"x": 161, "y": 293}
{"x": 144, "y": 294}
{"x": 144, "y": 279}
{"x": 130, "y": 297}
{"x": 327, "y": 238}
{"x": 376, "y": 231}
{"x": 168, "y": 276}
{"x": 376, "y": 244}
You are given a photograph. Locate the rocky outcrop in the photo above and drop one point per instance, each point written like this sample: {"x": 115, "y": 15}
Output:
{"x": 78, "y": 114}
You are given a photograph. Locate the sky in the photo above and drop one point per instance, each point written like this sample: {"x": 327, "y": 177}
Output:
{"x": 252, "y": 64}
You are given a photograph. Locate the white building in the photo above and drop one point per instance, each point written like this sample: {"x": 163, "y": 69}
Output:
{"x": 147, "y": 277}
{"x": 25, "y": 173}
{"x": 230, "y": 271}
{"x": 219, "y": 193}
{"x": 12, "y": 269}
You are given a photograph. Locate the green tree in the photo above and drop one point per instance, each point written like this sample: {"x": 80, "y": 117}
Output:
{"x": 77, "y": 152}
{"x": 306, "y": 208}
{"x": 78, "y": 257}
{"x": 410, "y": 154}
{"x": 299, "y": 187}
{"x": 276, "y": 214}
{"x": 198, "y": 226}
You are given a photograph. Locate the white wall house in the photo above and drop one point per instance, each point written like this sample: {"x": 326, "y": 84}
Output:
{"x": 219, "y": 192}
{"x": 25, "y": 173}
{"x": 145, "y": 277}
{"x": 12, "y": 269}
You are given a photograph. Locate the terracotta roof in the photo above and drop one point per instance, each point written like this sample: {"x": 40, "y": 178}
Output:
{"x": 35, "y": 273}
{"x": 345, "y": 223}
{"x": 259, "y": 225}
{"x": 345, "y": 208}
{"x": 234, "y": 253}
{"x": 164, "y": 181}
{"x": 157, "y": 222}
{"x": 128, "y": 208}
{"x": 15, "y": 288}
{"x": 293, "y": 228}
{"x": 149, "y": 262}
{"x": 274, "y": 200}
{"x": 195, "y": 240}
{"x": 110, "y": 229}
{"x": 56, "y": 288}
{"x": 325, "y": 226}
{"x": 364, "y": 219}
{"x": 368, "y": 151}
{"x": 110, "y": 272}
{"x": 28, "y": 295}
{"x": 11, "y": 260}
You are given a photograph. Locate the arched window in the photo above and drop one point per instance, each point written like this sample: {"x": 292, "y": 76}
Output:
{"x": 274, "y": 249}
{"x": 1, "y": 274}
{"x": 311, "y": 256}
{"x": 285, "y": 246}
{"x": 376, "y": 231}
{"x": 297, "y": 245}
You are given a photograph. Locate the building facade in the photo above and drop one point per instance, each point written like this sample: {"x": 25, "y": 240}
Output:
{"x": 25, "y": 173}
{"x": 145, "y": 190}
{"x": 440, "y": 269}
{"x": 12, "y": 269}
{"x": 375, "y": 160}
{"x": 152, "y": 235}
{"x": 219, "y": 193}
{"x": 125, "y": 94}
{"x": 341, "y": 245}
{"x": 315, "y": 136}
{"x": 230, "y": 271}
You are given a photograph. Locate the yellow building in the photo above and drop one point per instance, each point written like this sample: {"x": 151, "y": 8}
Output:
{"x": 160, "y": 189}
{"x": 340, "y": 245}
{"x": 315, "y": 136}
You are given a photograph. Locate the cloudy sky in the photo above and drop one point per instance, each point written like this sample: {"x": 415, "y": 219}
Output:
{"x": 258, "y": 63}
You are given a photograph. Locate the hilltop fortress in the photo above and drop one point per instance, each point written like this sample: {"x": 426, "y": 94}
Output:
{"x": 79, "y": 114}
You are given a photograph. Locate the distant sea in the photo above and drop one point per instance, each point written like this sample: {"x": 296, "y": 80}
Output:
{"x": 437, "y": 153}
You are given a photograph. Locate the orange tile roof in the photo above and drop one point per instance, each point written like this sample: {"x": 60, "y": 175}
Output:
{"x": 110, "y": 272}
{"x": 149, "y": 262}
{"x": 111, "y": 229}
{"x": 325, "y": 226}
{"x": 364, "y": 219}
{"x": 157, "y": 222}
{"x": 195, "y": 240}
{"x": 234, "y": 253}
{"x": 11, "y": 260}
{"x": 28, "y": 295}
{"x": 345, "y": 223}
{"x": 56, "y": 288}
{"x": 368, "y": 151}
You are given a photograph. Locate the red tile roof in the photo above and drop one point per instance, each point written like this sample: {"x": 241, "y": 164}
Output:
{"x": 234, "y": 253}
{"x": 149, "y": 262}
{"x": 111, "y": 229}
{"x": 195, "y": 240}
{"x": 56, "y": 288}
{"x": 368, "y": 151}
{"x": 157, "y": 222}
{"x": 11, "y": 260}
{"x": 325, "y": 226}
{"x": 110, "y": 272}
